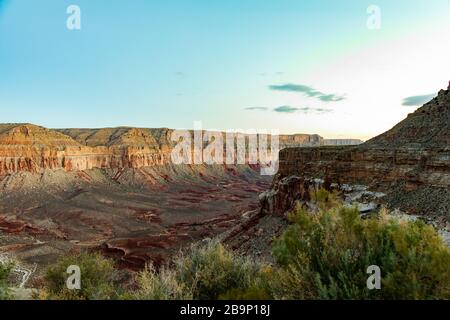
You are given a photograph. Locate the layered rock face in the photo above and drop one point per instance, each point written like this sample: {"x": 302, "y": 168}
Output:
{"x": 30, "y": 148}
{"x": 376, "y": 167}
{"x": 283, "y": 195}
{"x": 412, "y": 158}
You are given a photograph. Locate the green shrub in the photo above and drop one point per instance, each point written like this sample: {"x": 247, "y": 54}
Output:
{"x": 324, "y": 199}
{"x": 97, "y": 278}
{"x": 5, "y": 271}
{"x": 258, "y": 288}
{"x": 212, "y": 271}
{"x": 160, "y": 285}
{"x": 206, "y": 272}
{"x": 325, "y": 255}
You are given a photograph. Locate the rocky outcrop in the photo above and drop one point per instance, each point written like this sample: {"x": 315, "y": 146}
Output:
{"x": 427, "y": 128}
{"x": 375, "y": 167}
{"x": 410, "y": 159}
{"x": 283, "y": 195}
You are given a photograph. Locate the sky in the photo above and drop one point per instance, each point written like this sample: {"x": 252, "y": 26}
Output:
{"x": 292, "y": 65}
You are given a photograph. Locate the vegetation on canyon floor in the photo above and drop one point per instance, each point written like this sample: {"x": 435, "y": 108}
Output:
{"x": 322, "y": 255}
{"x": 5, "y": 270}
{"x": 98, "y": 275}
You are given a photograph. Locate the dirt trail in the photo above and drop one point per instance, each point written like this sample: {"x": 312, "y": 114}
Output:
{"x": 22, "y": 273}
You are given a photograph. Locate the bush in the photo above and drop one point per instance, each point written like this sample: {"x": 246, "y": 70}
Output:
{"x": 259, "y": 287}
{"x": 206, "y": 272}
{"x": 5, "y": 271}
{"x": 213, "y": 271}
{"x": 326, "y": 255}
{"x": 97, "y": 278}
{"x": 162, "y": 285}
{"x": 325, "y": 200}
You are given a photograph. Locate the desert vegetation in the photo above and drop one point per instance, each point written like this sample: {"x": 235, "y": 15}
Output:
{"x": 5, "y": 271}
{"x": 98, "y": 279}
{"x": 326, "y": 256}
{"x": 323, "y": 254}
{"x": 207, "y": 272}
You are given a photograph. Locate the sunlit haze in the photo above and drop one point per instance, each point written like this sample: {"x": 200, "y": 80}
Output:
{"x": 289, "y": 65}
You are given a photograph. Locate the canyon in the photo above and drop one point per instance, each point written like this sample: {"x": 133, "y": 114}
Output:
{"x": 31, "y": 148}
{"x": 116, "y": 191}
{"x": 406, "y": 169}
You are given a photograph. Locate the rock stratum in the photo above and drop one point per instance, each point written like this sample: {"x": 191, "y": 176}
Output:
{"x": 410, "y": 162}
{"x": 406, "y": 168}
{"x": 31, "y": 148}
{"x": 115, "y": 190}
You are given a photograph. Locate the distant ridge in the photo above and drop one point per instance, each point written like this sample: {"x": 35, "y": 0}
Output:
{"x": 32, "y": 135}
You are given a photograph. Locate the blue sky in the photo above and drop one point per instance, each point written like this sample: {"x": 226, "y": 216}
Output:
{"x": 292, "y": 65}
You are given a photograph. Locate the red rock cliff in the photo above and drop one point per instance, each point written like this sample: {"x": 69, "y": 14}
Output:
{"x": 27, "y": 147}
{"x": 412, "y": 159}
{"x": 32, "y": 148}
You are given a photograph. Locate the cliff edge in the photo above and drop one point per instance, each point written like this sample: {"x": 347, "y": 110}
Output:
{"x": 410, "y": 162}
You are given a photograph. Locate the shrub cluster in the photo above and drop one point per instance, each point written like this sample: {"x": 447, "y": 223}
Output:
{"x": 323, "y": 254}
{"x": 5, "y": 271}
{"x": 326, "y": 256}
{"x": 97, "y": 278}
{"x": 206, "y": 272}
